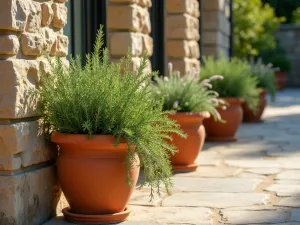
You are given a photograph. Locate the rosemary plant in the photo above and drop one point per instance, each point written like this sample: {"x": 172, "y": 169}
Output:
{"x": 103, "y": 98}
{"x": 238, "y": 81}
{"x": 186, "y": 94}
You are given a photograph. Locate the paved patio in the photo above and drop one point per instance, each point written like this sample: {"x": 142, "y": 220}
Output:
{"x": 253, "y": 181}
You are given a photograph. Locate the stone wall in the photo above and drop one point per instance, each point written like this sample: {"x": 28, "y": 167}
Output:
{"x": 182, "y": 34}
{"x": 289, "y": 36}
{"x": 28, "y": 186}
{"x": 128, "y": 23}
{"x": 216, "y": 27}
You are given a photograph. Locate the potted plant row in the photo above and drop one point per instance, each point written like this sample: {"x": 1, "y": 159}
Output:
{"x": 193, "y": 102}
{"x": 238, "y": 86}
{"x": 266, "y": 84}
{"x": 106, "y": 126}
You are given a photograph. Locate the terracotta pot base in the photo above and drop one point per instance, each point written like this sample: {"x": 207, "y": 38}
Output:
{"x": 185, "y": 168}
{"x": 95, "y": 219}
{"x": 221, "y": 139}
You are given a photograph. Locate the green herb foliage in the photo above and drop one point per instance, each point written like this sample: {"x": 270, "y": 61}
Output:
{"x": 237, "y": 81}
{"x": 185, "y": 94}
{"x": 265, "y": 77}
{"x": 110, "y": 99}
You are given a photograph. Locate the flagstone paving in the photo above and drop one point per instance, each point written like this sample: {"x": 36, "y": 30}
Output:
{"x": 253, "y": 181}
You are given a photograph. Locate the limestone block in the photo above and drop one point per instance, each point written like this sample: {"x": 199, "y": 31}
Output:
{"x": 29, "y": 198}
{"x": 32, "y": 44}
{"x": 23, "y": 144}
{"x": 194, "y": 49}
{"x": 62, "y": 45}
{"x": 147, "y": 44}
{"x": 17, "y": 78}
{"x": 214, "y": 5}
{"x": 216, "y": 38}
{"x": 178, "y": 48}
{"x": 182, "y": 48}
{"x": 9, "y": 44}
{"x": 34, "y": 19}
{"x": 47, "y": 14}
{"x": 213, "y": 20}
{"x": 185, "y": 65}
{"x": 182, "y": 26}
{"x": 128, "y": 17}
{"x": 145, "y": 3}
{"x": 121, "y": 41}
{"x": 60, "y": 15}
{"x": 13, "y": 15}
{"x": 183, "y": 6}
{"x": 135, "y": 64}
{"x": 49, "y": 39}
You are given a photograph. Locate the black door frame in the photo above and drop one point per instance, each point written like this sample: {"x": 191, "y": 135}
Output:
{"x": 158, "y": 15}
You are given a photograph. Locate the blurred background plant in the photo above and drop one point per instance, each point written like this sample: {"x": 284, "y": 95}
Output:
{"x": 265, "y": 75}
{"x": 255, "y": 27}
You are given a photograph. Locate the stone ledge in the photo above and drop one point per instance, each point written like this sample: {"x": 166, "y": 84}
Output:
{"x": 29, "y": 198}
{"x": 22, "y": 145}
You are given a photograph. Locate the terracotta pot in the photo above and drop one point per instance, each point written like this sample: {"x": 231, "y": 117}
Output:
{"x": 92, "y": 175}
{"x": 255, "y": 117}
{"x": 225, "y": 132}
{"x": 189, "y": 148}
{"x": 280, "y": 79}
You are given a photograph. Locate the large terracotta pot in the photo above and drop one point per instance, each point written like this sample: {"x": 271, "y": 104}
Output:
{"x": 189, "y": 148}
{"x": 92, "y": 175}
{"x": 280, "y": 79}
{"x": 255, "y": 117}
{"x": 225, "y": 132}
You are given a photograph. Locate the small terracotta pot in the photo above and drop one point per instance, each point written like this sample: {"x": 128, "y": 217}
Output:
{"x": 189, "y": 148}
{"x": 255, "y": 117}
{"x": 280, "y": 80}
{"x": 225, "y": 132}
{"x": 92, "y": 175}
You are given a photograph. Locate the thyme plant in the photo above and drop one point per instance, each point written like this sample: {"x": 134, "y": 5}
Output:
{"x": 238, "y": 81}
{"x": 103, "y": 98}
{"x": 186, "y": 94}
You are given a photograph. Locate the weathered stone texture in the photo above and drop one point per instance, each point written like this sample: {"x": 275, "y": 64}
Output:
{"x": 17, "y": 78}
{"x": 9, "y": 44}
{"x": 182, "y": 32}
{"x": 129, "y": 25}
{"x": 23, "y": 144}
{"x": 29, "y": 198}
{"x": 29, "y": 28}
{"x": 60, "y": 15}
{"x": 216, "y": 28}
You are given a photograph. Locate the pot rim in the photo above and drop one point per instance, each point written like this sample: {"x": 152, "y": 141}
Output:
{"x": 59, "y": 138}
{"x": 203, "y": 114}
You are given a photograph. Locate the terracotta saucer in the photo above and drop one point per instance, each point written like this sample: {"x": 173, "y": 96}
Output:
{"x": 221, "y": 139}
{"x": 185, "y": 168}
{"x": 95, "y": 219}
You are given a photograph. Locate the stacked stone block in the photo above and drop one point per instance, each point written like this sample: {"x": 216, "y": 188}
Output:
{"x": 289, "y": 37}
{"x": 29, "y": 30}
{"x": 182, "y": 33}
{"x": 216, "y": 27}
{"x": 129, "y": 26}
